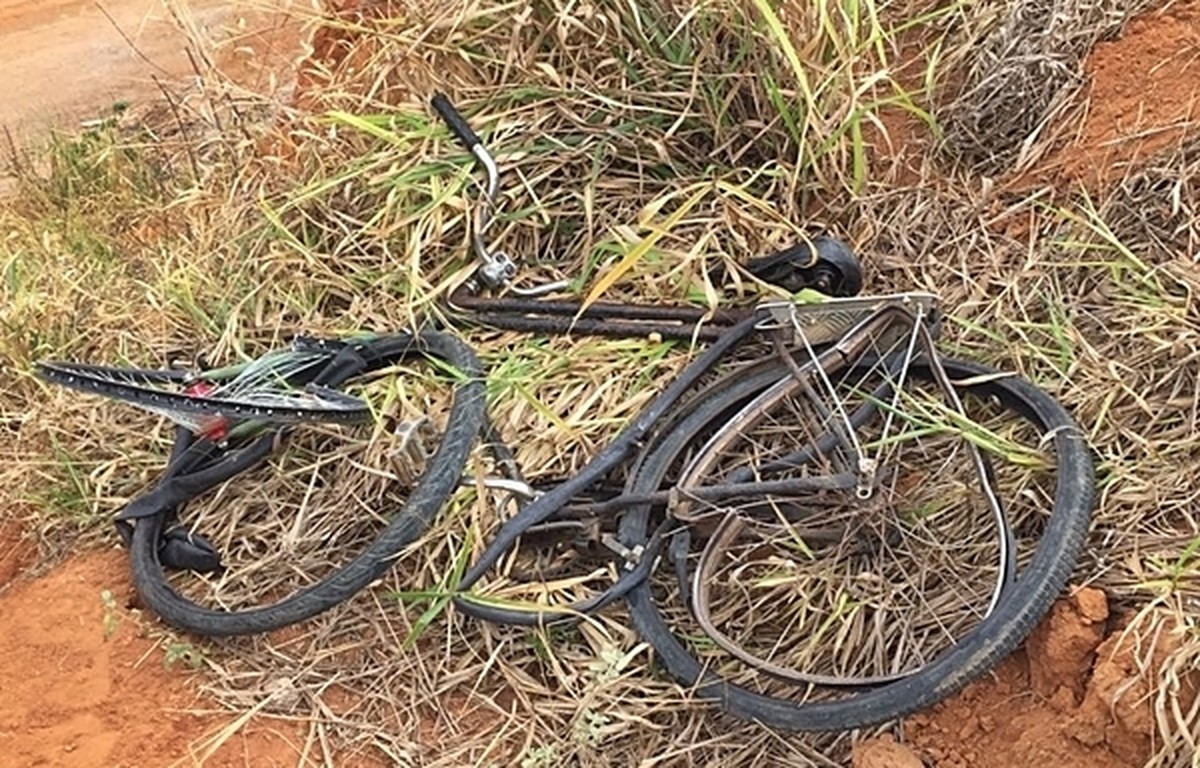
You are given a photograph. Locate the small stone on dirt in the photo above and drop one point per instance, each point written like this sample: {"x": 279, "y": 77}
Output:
{"x": 883, "y": 752}
{"x": 1092, "y": 604}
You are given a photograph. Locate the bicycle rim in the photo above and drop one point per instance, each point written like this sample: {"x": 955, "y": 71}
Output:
{"x": 1044, "y": 572}
{"x": 187, "y": 478}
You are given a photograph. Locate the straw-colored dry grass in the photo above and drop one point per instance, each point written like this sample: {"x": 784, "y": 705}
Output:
{"x": 226, "y": 223}
{"x": 1026, "y": 54}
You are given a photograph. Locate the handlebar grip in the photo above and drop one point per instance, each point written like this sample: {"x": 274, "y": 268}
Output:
{"x": 457, "y": 124}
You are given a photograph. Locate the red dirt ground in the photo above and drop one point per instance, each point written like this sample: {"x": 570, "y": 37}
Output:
{"x": 78, "y": 57}
{"x": 1072, "y": 697}
{"x": 85, "y": 685}
{"x": 1142, "y": 95}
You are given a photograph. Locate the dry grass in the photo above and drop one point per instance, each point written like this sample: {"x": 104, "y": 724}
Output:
{"x": 1027, "y": 54}
{"x": 224, "y": 225}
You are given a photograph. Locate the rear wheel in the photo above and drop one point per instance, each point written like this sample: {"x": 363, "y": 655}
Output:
{"x": 924, "y": 557}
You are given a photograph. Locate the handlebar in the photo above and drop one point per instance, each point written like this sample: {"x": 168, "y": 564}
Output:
{"x": 456, "y": 122}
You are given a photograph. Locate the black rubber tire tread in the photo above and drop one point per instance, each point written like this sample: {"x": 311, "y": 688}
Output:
{"x": 439, "y": 481}
{"x": 1019, "y": 610}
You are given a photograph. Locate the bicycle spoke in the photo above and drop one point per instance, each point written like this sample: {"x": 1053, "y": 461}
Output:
{"x": 873, "y": 553}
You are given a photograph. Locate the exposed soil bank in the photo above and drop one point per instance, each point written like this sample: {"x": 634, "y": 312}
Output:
{"x": 1142, "y": 95}
{"x": 86, "y": 685}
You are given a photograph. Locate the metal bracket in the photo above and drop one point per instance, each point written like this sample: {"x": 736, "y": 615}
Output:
{"x": 631, "y": 556}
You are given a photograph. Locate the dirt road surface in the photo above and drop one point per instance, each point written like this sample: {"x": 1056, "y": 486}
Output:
{"x": 70, "y": 60}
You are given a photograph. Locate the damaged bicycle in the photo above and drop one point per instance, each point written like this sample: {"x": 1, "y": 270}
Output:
{"x": 822, "y": 523}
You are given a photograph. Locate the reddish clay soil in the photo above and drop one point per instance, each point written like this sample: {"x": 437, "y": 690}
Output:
{"x": 70, "y": 60}
{"x": 897, "y": 144}
{"x": 1142, "y": 95}
{"x": 1074, "y": 696}
{"x": 884, "y": 752}
{"x": 85, "y": 685}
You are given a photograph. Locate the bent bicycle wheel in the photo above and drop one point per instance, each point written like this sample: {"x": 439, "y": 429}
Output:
{"x": 315, "y": 524}
{"x": 951, "y": 506}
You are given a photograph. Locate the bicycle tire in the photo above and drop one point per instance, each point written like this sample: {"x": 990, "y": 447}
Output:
{"x": 433, "y": 489}
{"x": 1014, "y": 616}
